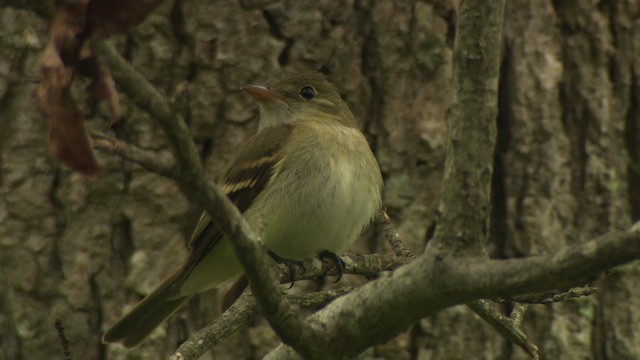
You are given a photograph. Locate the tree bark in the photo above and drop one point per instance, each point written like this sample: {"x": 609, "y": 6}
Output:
{"x": 566, "y": 167}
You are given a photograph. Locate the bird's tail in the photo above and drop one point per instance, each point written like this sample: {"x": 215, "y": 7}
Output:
{"x": 147, "y": 315}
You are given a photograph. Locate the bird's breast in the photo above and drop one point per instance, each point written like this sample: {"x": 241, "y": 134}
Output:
{"x": 325, "y": 190}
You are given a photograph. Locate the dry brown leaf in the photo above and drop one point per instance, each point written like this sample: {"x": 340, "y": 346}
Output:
{"x": 67, "y": 56}
{"x": 67, "y": 140}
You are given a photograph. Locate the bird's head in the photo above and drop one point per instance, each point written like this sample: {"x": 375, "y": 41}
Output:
{"x": 299, "y": 96}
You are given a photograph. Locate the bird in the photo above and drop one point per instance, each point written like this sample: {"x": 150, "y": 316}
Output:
{"x": 306, "y": 182}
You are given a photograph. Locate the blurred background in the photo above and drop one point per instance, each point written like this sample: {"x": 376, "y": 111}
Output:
{"x": 567, "y": 164}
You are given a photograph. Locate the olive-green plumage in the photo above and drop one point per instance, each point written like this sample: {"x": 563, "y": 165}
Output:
{"x": 306, "y": 182}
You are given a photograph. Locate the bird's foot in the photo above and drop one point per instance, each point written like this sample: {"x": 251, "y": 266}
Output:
{"x": 333, "y": 257}
{"x": 289, "y": 263}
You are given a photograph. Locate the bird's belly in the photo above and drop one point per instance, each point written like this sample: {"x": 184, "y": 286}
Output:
{"x": 316, "y": 212}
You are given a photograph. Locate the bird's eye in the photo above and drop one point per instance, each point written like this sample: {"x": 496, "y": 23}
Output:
{"x": 308, "y": 92}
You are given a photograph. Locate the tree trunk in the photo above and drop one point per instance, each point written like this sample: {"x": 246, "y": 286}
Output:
{"x": 566, "y": 168}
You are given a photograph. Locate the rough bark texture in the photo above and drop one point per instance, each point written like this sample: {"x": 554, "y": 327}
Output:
{"x": 566, "y": 167}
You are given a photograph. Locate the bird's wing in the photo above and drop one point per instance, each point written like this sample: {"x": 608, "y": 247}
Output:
{"x": 245, "y": 177}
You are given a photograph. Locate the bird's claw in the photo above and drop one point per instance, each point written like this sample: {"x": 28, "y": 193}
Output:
{"x": 289, "y": 263}
{"x": 330, "y": 256}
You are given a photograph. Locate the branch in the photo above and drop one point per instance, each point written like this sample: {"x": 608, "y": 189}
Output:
{"x": 226, "y": 217}
{"x": 552, "y": 296}
{"x": 239, "y": 314}
{"x": 517, "y": 314}
{"x": 368, "y": 266}
{"x": 245, "y": 307}
{"x": 390, "y": 233}
{"x": 64, "y": 342}
{"x": 152, "y": 161}
{"x": 507, "y": 327}
{"x": 465, "y": 204}
{"x": 381, "y": 309}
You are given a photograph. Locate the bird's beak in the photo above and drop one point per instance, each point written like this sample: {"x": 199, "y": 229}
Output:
{"x": 262, "y": 93}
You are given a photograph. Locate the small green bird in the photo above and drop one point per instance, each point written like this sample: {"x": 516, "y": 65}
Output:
{"x": 306, "y": 182}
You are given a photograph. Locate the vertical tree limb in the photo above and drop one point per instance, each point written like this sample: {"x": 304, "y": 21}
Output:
{"x": 465, "y": 204}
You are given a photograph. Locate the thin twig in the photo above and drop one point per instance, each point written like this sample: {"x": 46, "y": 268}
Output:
{"x": 63, "y": 339}
{"x": 390, "y": 233}
{"x": 237, "y": 315}
{"x": 552, "y": 296}
{"x": 517, "y": 314}
{"x": 507, "y": 327}
{"x": 155, "y": 162}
